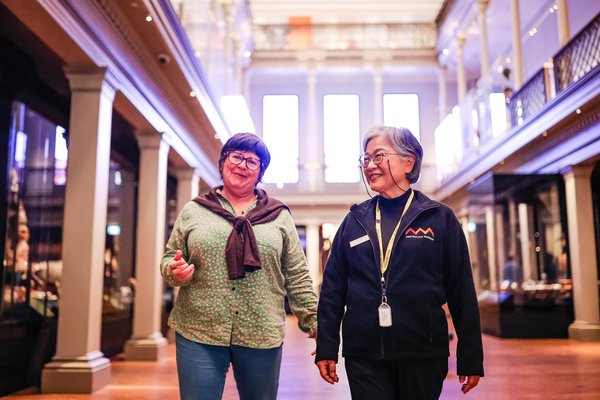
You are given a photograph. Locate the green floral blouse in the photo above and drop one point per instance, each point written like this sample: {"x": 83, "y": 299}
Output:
{"x": 247, "y": 312}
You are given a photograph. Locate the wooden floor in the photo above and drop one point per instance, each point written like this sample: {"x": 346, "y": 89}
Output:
{"x": 515, "y": 369}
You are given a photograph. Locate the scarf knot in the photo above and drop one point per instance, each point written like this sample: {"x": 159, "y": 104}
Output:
{"x": 241, "y": 249}
{"x": 241, "y": 223}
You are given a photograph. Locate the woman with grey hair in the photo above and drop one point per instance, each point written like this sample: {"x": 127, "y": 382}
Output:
{"x": 395, "y": 261}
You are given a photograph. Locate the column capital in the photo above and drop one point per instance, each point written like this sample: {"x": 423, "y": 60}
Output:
{"x": 149, "y": 139}
{"x": 583, "y": 171}
{"x": 483, "y": 5}
{"x": 185, "y": 173}
{"x": 90, "y": 78}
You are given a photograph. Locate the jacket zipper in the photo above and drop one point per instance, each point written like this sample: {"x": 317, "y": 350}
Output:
{"x": 381, "y": 346}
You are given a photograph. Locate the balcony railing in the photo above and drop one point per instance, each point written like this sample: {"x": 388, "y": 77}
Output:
{"x": 344, "y": 37}
{"x": 576, "y": 61}
{"x": 528, "y": 100}
{"x": 579, "y": 57}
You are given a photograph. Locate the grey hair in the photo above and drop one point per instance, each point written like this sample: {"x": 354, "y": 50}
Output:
{"x": 403, "y": 142}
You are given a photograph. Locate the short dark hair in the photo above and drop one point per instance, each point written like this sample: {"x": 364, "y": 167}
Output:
{"x": 246, "y": 142}
{"x": 403, "y": 141}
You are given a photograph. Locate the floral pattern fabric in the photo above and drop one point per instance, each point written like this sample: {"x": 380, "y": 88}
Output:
{"x": 247, "y": 312}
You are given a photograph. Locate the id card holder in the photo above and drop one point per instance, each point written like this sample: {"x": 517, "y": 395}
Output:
{"x": 385, "y": 315}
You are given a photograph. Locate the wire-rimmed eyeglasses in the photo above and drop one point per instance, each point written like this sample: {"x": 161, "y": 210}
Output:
{"x": 251, "y": 163}
{"x": 377, "y": 159}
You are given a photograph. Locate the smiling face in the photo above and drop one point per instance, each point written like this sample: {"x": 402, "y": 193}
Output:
{"x": 379, "y": 177}
{"x": 239, "y": 179}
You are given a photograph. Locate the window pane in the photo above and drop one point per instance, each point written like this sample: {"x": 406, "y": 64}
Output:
{"x": 280, "y": 133}
{"x": 402, "y": 110}
{"x": 342, "y": 138}
{"x": 498, "y": 113}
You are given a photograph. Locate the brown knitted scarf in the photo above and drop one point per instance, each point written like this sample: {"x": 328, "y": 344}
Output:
{"x": 241, "y": 250}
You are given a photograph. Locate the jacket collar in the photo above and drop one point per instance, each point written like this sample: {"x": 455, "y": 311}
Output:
{"x": 365, "y": 211}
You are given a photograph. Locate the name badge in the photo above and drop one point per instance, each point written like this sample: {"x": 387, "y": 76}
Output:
{"x": 360, "y": 240}
{"x": 385, "y": 315}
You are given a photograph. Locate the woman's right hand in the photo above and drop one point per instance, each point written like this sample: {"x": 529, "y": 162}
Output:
{"x": 180, "y": 269}
{"x": 328, "y": 371}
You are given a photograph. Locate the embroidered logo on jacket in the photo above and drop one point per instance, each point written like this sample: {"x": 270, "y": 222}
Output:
{"x": 420, "y": 233}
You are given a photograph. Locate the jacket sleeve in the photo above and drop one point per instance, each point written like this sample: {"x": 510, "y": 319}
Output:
{"x": 177, "y": 241}
{"x": 332, "y": 300}
{"x": 462, "y": 300}
{"x": 298, "y": 284}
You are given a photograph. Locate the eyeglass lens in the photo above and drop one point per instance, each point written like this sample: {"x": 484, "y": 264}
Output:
{"x": 237, "y": 159}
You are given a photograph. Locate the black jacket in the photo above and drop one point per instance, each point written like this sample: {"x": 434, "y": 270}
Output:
{"x": 429, "y": 266}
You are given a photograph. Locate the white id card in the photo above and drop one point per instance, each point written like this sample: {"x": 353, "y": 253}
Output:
{"x": 385, "y": 315}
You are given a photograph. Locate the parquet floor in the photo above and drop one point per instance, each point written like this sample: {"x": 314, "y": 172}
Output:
{"x": 556, "y": 369}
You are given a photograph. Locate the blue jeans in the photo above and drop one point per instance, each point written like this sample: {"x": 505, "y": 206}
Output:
{"x": 201, "y": 369}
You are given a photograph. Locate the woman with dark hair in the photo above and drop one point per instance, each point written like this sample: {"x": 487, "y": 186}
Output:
{"x": 235, "y": 254}
{"x": 395, "y": 261}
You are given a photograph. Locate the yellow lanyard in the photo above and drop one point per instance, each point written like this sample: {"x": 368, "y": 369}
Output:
{"x": 385, "y": 260}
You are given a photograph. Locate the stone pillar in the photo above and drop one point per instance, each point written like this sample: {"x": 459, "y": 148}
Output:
{"x": 517, "y": 59}
{"x": 313, "y": 150}
{"x": 227, "y": 6}
{"x": 485, "y": 53}
{"x": 442, "y": 92}
{"x": 187, "y": 186}
{"x": 500, "y": 245}
{"x": 461, "y": 79}
{"x": 78, "y": 365}
{"x": 147, "y": 341}
{"x": 238, "y": 61}
{"x": 377, "y": 96}
{"x": 490, "y": 228}
{"x": 582, "y": 250}
{"x": 313, "y": 254}
{"x": 527, "y": 230}
{"x": 564, "y": 30}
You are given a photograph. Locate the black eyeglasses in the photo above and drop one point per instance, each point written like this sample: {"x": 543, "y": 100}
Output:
{"x": 251, "y": 163}
{"x": 365, "y": 159}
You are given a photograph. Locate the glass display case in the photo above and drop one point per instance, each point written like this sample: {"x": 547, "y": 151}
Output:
{"x": 32, "y": 265}
{"x": 518, "y": 239}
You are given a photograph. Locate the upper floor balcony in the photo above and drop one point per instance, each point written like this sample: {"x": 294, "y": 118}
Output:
{"x": 492, "y": 122}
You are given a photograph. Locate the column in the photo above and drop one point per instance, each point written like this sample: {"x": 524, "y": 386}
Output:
{"x": 517, "y": 59}
{"x": 564, "y": 34}
{"x": 377, "y": 95}
{"x": 461, "y": 79}
{"x": 472, "y": 245}
{"x": 526, "y": 225}
{"x": 147, "y": 341}
{"x": 513, "y": 227}
{"x": 313, "y": 149}
{"x": 313, "y": 254}
{"x": 227, "y": 6}
{"x": 187, "y": 186}
{"x": 442, "y": 92}
{"x": 78, "y": 365}
{"x": 490, "y": 228}
{"x": 582, "y": 250}
{"x": 500, "y": 245}
{"x": 237, "y": 61}
{"x": 485, "y": 54}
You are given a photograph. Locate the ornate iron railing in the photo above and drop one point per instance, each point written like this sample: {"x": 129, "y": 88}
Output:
{"x": 580, "y": 56}
{"x": 528, "y": 100}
